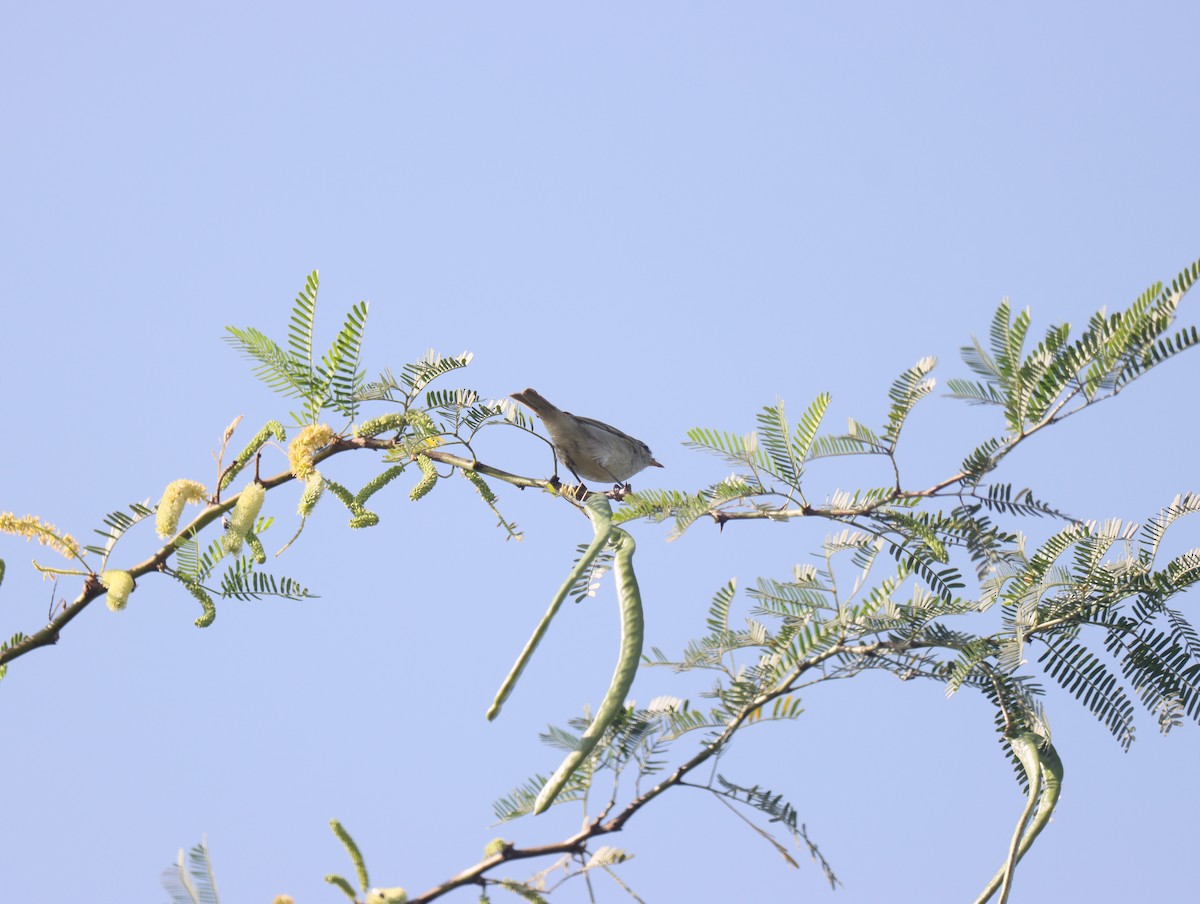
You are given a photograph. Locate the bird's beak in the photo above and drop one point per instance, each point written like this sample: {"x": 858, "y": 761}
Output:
{"x": 655, "y": 464}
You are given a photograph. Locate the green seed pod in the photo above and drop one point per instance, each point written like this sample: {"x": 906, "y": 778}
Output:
{"x": 600, "y": 513}
{"x": 613, "y": 704}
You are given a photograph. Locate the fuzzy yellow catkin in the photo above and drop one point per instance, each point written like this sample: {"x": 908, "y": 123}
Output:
{"x": 395, "y": 895}
{"x": 119, "y": 585}
{"x": 177, "y": 494}
{"x": 382, "y": 424}
{"x": 270, "y": 429}
{"x": 429, "y": 477}
{"x": 314, "y": 486}
{"x": 206, "y": 603}
{"x": 256, "y": 549}
{"x": 364, "y": 519}
{"x": 481, "y": 485}
{"x": 307, "y": 443}
{"x": 241, "y": 519}
{"x": 426, "y": 430}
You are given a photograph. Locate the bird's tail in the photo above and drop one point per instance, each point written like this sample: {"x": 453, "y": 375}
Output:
{"x": 534, "y": 402}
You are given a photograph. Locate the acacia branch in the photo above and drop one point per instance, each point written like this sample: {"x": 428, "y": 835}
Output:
{"x": 577, "y": 843}
{"x": 961, "y": 479}
{"x": 93, "y": 589}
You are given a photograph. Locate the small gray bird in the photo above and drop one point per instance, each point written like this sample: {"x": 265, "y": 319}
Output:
{"x": 590, "y": 449}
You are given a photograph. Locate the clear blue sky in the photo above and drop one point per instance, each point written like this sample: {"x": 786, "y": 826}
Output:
{"x": 662, "y": 215}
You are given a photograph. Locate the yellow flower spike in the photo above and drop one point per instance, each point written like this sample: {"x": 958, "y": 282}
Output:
{"x": 385, "y": 423}
{"x": 426, "y": 436}
{"x": 31, "y": 527}
{"x": 481, "y": 485}
{"x": 119, "y": 585}
{"x": 177, "y": 494}
{"x": 314, "y": 486}
{"x": 428, "y": 478}
{"x": 241, "y": 519}
{"x": 307, "y": 443}
{"x": 256, "y": 548}
{"x": 395, "y": 895}
{"x": 364, "y": 519}
{"x": 202, "y": 597}
{"x": 269, "y": 430}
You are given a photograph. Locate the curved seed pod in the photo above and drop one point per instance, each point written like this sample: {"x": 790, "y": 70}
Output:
{"x": 632, "y": 630}
{"x": 599, "y": 510}
{"x": 1044, "y": 770}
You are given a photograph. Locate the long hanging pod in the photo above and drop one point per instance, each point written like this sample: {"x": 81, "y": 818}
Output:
{"x": 600, "y": 512}
{"x": 632, "y": 630}
{"x": 1044, "y": 770}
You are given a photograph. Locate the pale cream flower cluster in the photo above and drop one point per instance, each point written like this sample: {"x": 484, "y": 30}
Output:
{"x": 119, "y": 585}
{"x": 241, "y": 519}
{"x": 177, "y": 494}
{"x": 307, "y": 443}
{"x": 314, "y": 486}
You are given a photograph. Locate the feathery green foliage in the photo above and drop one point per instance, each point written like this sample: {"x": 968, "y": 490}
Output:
{"x": 332, "y": 381}
{"x": 116, "y": 524}
{"x": 191, "y": 880}
{"x": 1091, "y": 606}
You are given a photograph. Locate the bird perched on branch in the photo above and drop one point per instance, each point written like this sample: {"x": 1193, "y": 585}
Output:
{"x": 590, "y": 449}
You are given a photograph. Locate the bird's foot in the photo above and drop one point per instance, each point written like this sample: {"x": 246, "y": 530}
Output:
{"x": 619, "y": 491}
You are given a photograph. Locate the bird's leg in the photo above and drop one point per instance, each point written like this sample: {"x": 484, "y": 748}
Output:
{"x": 582, "y": 491}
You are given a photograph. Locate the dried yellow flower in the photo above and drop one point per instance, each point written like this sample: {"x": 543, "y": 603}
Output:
{"x": 31, "y": 527}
